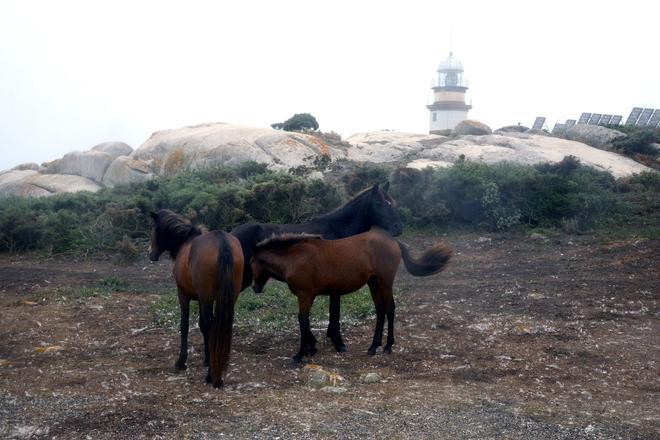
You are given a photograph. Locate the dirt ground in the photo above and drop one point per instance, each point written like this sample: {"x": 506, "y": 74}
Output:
{"x": 552, "y": 337}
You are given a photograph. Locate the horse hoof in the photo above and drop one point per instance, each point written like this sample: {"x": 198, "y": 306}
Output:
{"x": 219, "y": 384}
{"x": 311, "y": 351}
{"x": 209, "y": 379}
{"x": 371, "y": 351}
{"x": 341, "y": 348}
{"x": 297, "y": 358}
{"x": 180, "y": 367}
{"x": 387, "y": 350}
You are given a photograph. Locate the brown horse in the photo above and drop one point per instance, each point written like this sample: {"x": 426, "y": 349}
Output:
{"x": 208, "y": 267}
{"x": 313, "y": 266}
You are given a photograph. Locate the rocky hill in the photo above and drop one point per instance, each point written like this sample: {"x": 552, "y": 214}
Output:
{"x": 169, "y": 151}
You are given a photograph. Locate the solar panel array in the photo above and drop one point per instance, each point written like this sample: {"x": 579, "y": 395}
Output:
{"x": 538, "y": 123}
{"x": 645, "y": 116}
{"x": 558, "y": 128}
{"x": 638, "y": 116}
{"x": 616, "y": 120}
{"x": 634, "y": 116}
{"x": 595, "y": 118}
{"x": 655, "y": 119}
{"x": 584, "y": 118}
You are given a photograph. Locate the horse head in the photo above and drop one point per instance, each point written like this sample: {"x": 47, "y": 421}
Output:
{"x": 382, "y": 212}
{"x": 156, "y": 245}
{"x": 260, "y": 274}
{"x": 169, "y": 232}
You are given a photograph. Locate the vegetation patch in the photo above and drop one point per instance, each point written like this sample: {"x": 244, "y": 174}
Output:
{"x": 565, "y": 195}
{"x": 274, "y": 309}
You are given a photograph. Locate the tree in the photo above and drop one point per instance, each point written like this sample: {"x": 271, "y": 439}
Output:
{"x": 298, "y": 122}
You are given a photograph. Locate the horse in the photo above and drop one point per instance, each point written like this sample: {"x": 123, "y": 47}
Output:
{"x": 371, "y": 207}
{"x": 312, "y": 266}
{"x": 208, "y": 267}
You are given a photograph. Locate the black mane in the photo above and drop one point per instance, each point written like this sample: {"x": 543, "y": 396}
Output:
{"x": 173, "y": 230}
{"x": 284, "y": 241}
{"x": 352, "y": 205}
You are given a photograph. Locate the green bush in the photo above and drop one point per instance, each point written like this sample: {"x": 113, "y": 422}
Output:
{"x": 503, "y": 195}
{"x": 297, "y": 122}
{"x": 497, "y": 197}
{"x": 638, "y": 140}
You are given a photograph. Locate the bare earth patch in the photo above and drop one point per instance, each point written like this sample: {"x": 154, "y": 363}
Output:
{"x": 519, "y": 338}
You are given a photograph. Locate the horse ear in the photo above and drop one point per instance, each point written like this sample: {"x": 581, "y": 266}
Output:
{"x": 153, "y": 215}
{"x": 375, "y": 187}
{"x": 386, "y": 187}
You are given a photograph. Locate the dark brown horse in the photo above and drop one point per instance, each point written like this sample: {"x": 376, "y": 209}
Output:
{"x": 372, "y": 207}
{"x": 312, "y": 266}
{"x": 208, "y": 267}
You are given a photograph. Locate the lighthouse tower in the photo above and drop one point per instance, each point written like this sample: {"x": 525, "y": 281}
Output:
{"x": 449, "y": 107}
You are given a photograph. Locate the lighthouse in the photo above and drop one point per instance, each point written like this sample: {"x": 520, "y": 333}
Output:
{"x": 449, "y": 107}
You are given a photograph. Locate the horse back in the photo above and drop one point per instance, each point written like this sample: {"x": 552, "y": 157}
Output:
{"x": 203, "y": 263}
{"x": 250, "y": 234}
{"x": 374, "y": 251}
{"x": 344, "y": 265}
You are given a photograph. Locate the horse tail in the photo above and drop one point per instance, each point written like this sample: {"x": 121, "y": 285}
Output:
{"x": 433, "y": 261}
{"x": 223, "y": 320}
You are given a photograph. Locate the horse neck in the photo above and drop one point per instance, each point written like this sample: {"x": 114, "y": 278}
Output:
{"x": 176, "y": 243}
{"x": 276, "y": 262}
{"x": 348, "y": 220}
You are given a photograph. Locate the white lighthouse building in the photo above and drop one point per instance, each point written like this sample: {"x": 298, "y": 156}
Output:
{"x": 449, "y": 107}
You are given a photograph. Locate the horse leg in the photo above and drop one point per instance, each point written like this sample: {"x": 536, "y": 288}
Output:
{"x": 184, "y": 306}
{"x": 334, "y": 328}
{"x": 204, "y": 327}
{"x": 206, "y": 316}
{"x": 379, "y": 302}
{"x": 390, "y": 326}
{"x": 307, "y": 340}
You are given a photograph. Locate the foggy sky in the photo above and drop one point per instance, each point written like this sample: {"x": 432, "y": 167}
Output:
{"x": 77, "y": 73}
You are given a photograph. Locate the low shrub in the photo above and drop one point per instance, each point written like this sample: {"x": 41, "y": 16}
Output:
{"x": 565, "y": 195}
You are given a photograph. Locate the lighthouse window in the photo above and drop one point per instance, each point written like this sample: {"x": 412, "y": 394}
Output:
{"x": 434, "y": 116}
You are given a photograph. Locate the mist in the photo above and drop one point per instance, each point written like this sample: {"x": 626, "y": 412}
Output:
{"x": 74, "y": 73}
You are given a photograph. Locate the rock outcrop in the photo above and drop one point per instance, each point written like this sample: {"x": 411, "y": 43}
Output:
{"x": 224, "y": 144}
{"x": 470, "y": 127}
{"x": 114, "y": 149}
{"x": 75, "y": 171}
{"x": 27, "y": 166}
{"x": 91, "y": 164}
{"x": 511, "y": 129}
{"x": 30, "y": 183}
{"x": 389, "y": 146}
{"x": 169, "y": 151}
{"x": 124, "y": 170}
{"x": 419, "y": 150}
{"x": 594, "y": 135}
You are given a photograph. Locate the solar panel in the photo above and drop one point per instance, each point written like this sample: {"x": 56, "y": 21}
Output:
{"x": 645, "y": 116}
{"x": 558, "y": 127}
{"x": 655, "y": 119}
{"x": 584, "y": 118}
{"x": 594, "y": 119}
{"x": 569, "y": 123}
{"x": 616, "y": 120}
{"x": 538, "y": 123}
{"x": 605, "y": 120}
{"x": 634, "y": 115}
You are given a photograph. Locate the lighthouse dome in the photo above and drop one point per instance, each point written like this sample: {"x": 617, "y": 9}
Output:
{"x": 450, "y": 64}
